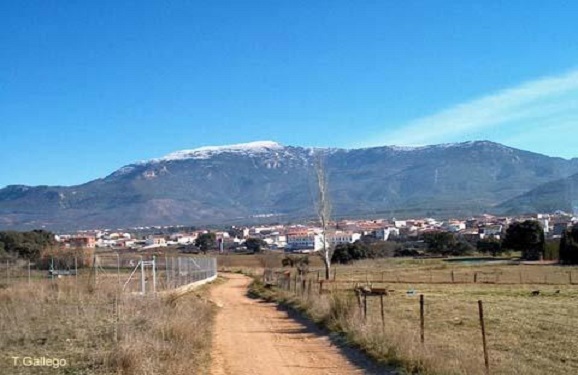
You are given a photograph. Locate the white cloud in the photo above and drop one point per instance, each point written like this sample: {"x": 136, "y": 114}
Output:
{"x": 529, "y": 108}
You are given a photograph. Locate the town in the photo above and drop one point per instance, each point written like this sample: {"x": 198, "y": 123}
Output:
{"x": 307, "y": 238}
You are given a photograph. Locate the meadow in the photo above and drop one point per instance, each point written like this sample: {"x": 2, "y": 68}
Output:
{"x": 92, "y": 328}
{"x": 530, "y": 314}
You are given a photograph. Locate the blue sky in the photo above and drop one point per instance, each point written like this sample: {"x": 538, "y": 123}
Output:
{"x": 87, "y": 87}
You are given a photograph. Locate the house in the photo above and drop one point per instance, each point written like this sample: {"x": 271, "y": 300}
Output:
{"x": 156, "y": 241}
{"x": 82, "y": 241}
{"x": 383, "y": 234}
{"x": 300, "y": 240}
{"x": 184, "y": 238}
{"x": 340, "y": 237}
{"x": 313, "y": 240}
{"x": 490, "y": 231}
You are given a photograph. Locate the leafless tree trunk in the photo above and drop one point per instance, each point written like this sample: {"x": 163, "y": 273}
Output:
{"x": 323, "y": 206}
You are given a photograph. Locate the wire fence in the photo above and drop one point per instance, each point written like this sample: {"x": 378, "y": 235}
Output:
{"x": 470, "y": 332}
{"x": 522, "y": 275}
{"x": 132, "y": 272}
{"x": 67, "y": 311}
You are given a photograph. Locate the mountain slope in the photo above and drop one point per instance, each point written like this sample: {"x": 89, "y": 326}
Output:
{"x": 550, "y": 197}
{"x": 224, "y": 184}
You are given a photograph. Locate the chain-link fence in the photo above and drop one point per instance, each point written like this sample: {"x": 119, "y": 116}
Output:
{"x": 132, "y": 272}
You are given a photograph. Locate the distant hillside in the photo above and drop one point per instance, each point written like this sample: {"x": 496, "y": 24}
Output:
{"x": 239, "y": 183}
{"x": 552, "y": 196}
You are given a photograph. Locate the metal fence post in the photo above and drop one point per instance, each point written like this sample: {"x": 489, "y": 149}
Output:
{"x": 154, "y": 274}
{"x": 142, "y": 276}
{"x": 179, "y": 282}
{"x": 167, "y": 276}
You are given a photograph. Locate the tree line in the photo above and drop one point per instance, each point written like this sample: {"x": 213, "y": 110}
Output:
{"x": 26, "y": 245}
{"x": 527, "y": 237}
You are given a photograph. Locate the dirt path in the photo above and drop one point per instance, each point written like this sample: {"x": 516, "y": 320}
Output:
{"x": 255, "y": 337}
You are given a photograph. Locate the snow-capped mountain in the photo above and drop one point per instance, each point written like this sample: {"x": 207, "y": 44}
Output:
{"x": 246, "y": 149}
{"x": 238, "y": 183}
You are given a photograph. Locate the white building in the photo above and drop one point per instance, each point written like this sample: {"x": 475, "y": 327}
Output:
{"x": 384, "y": 233}
{"x": 314, "y": 240}
{"x": 157, "y": 241}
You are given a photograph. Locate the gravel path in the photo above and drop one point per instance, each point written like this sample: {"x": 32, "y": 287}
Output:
{"x": 254, "y": 337}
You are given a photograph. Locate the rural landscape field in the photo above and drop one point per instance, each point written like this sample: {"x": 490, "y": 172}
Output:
{"x": 529, "y": 314}
{"x": 288, "y": 187}
{"x": 98, "y": 321}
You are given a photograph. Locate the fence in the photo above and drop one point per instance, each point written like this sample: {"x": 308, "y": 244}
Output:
{"x": 473, "y": 328}
{"x": 522, "y": 275}
{"x": 79, "y": 314}
{"x": 132, "y": 272}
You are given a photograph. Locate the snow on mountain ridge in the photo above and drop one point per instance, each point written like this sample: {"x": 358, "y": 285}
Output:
{"x": 206, "y": 152}
{"x": 263, "y": 147}
{"x": 465, "y": 144}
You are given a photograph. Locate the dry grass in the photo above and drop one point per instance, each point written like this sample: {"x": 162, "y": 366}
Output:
{"x": 255, "y": 263}
{"x": 526, "y": 334}
{"x": 99, "y": 333}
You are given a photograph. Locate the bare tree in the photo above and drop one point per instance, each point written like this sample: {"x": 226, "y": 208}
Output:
{"x": 323, "y": 207}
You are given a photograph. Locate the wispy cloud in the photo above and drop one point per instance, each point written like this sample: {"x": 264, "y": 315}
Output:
{"x": 531, "y": 107}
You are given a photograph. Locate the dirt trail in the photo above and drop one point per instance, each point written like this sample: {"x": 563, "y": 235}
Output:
{"x": 254, "y": 337}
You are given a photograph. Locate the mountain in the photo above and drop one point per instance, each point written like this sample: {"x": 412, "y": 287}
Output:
{"x": 240, "y": 183}
{"x": 559, "y": 195}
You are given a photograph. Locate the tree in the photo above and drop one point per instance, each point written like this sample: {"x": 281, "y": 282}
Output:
{"x": 527, "y": 237}
{"x": 348, "y": 252}
{"x": 341, "y": 254}
{"x": 569, "y": 246}
{"x": 489, "y": 245}
{"x": 255, "y": 244}
{"x": 439, "y": 242}
{"x": 26, "y": 245}
{"x": 323, "y": 208}
{"x": 206, "y": 241}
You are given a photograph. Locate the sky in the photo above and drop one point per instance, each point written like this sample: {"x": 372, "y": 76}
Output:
{"x": 87, "y": 87}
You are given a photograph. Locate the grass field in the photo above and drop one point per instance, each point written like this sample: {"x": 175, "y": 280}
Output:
{"x": 96, "y": 330}
{"x": 526, "y": 333}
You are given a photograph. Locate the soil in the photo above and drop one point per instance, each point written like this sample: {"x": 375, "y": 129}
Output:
{"x": 254, "y": 337}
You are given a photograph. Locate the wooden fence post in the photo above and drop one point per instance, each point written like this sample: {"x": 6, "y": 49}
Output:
{"x": 334, "y": 274}
{"x": 421, "y": 319}
{"x": 365, "y": 307}
{"x": 382, "y": 312}
{"x": 320, "y": 287}
{"x": 475, "y": 277}
{"x": 483, "y": 327}
{"x": 453, "y": 278}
